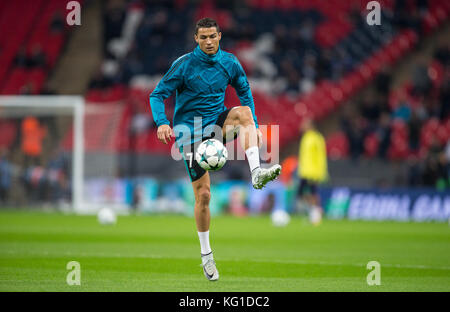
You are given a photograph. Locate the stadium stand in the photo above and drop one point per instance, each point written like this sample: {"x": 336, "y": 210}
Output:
{"x": 32, "y": 40}
{"x": 313, "y": 70}
{"x": 304, "y": 57}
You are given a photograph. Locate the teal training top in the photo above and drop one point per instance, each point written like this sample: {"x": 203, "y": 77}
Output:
{"x": 200, "y": 81}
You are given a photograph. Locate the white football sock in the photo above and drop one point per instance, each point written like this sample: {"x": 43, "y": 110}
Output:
{"x": 253, "y": 157}
{"x": 204, "y": 242}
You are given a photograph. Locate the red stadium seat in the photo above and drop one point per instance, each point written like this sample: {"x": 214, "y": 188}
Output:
{"x": 337, "y": 146}
{"x": 8, "y": 130}
{"x": 371, "y": 144}
{"x": 16, "y": 80}
{"x": 436, "y": 73}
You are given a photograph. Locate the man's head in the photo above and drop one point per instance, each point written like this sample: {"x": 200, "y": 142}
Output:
{"x": 207, "y": 35}
{"x": 307, "y": 124}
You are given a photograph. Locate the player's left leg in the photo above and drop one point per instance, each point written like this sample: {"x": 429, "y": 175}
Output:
{"x": 241, "y": 118}
{"x": 316, "y": 211}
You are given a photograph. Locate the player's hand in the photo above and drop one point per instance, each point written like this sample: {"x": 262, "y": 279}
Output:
{"x": 165, "y": 133}
{"x": 260, "y": 137}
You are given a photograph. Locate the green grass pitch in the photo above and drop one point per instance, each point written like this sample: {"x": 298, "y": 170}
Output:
{"x": 161, "y": 253}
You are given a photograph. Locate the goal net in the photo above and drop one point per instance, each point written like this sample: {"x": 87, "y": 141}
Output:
{"x": 59, "y": 151}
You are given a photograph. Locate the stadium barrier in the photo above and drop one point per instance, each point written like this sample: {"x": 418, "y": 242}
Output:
{"x": 419, "y": 205}
{"x": 149, "y": 195}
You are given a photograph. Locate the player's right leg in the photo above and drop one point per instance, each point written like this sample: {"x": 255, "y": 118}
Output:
{"x": 308, "y": 191}
{"x": 202, "y": 196}
{"x": 201, "y": 187}
{"x": 315, "y": 213}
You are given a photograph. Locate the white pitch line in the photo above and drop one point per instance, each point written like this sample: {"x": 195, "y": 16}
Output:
{"x": 408, "y": 266}
{"x": 118, "y": 255}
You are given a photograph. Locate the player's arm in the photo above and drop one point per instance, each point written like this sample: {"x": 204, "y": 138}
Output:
{"x": 240, "y": 84}
{"x": 170, "y": 82}
{"x": 323, "y": 152}
{"x": 301, "y": 149}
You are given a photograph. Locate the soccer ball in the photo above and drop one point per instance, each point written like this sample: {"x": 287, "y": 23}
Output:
{"x": 211, "y": 155}
{"x": 106, "y": 216}
{"x": 280, "y": 218}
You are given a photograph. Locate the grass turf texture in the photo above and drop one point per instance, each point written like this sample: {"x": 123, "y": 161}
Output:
{"x": 161, "y": 253}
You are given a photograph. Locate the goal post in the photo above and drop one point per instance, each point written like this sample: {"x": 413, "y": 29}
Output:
{"x": 55, "y": 105}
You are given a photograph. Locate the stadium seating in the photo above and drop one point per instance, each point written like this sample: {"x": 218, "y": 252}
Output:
{"x": 338, "y": 27}
{"x": 368, "y": 50}
{"x": 8, "y": 129}
{"x": 29, "y": 25}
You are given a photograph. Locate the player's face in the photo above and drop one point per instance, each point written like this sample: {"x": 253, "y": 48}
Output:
{"x": 208, "y": 39}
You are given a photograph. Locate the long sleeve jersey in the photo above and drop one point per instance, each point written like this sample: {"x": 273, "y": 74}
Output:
{"x": 200, "y": 81}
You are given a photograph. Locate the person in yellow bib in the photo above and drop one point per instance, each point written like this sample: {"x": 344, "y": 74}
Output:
{"x": 312, "y": 168}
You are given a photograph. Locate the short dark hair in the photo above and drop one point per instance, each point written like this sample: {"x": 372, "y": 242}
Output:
{"x": 206, "y": 23}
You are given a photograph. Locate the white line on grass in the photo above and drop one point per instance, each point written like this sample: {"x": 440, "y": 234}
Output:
{"x": 118, "y": 255}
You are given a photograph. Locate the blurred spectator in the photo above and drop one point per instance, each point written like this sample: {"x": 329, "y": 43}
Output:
{"x": 293, "y": 81}
{"x": 272, "y": 197}
{"x": 312, "y": 166}
{"x": 35, "y": 183}
{"x": 236, "y": 204}
{"x": 431, "y": 173}
{"x": 407, "y": 17}
{"x": 435, "y": 148}
{"x": 288, "y": 173}
{"x": 233, "y": 171}
{"x": 309, "y": 71}
{"x": 27, "y": 88}
{"x": 306, "y": 30}
{"x": 47, "y": 90}
{"x": 37, "y": 58}
{"x": 324, "y": 65}
{"x": 414, "y": 126}
{"x": 141, "y": 121}
{"x": 32, "y": 136}
{"x": 5, "y": 176}
{"x": 447, "y": 151}
{"x": 422, "y": 6}
{"x": 21, "y": 59}
{"x": 443, "y": 179}
{"x": 370, "y": 111}
{"x": 132, "y": 64}
{"x": 113, "y": 18}
{"x": 100, "y": 81}
{"x": 268, "y": 204}
{"x": 57, "y": 173}
{"x": 383, "y": 133}
{"x": 414, "y": 172}
{"x": 403, "y": 109}
{"x": 57, "y": 23}
{"x": 355, "y": 130}
{"x": 433, "y": 107}
{"x": 442, "y": 53}
{"x": 421, "y": 80}
{"x": 383, "y": 82}
{"x": 435, "y": 173}
{"x": 444, "y": 99}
